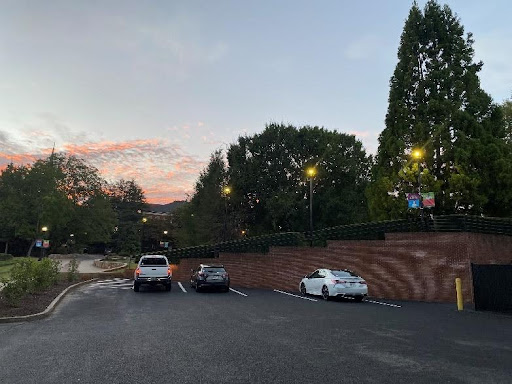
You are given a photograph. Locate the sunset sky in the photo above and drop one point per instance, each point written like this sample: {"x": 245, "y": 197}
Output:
{"x": 147, "y": 90}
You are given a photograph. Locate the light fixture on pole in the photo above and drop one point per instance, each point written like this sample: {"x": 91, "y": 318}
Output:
{"x": 311, "y": 172}
{"x": 144, "y": 221}
{"x": 226, "y": 190}
{"x": 417, "y": 154}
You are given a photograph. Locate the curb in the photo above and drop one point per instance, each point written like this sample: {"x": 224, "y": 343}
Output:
{"x": 48, "y": 310}
{"x": 115, "y": 268}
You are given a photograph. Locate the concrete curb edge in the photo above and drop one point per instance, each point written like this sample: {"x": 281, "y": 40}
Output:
{"x": 48, "y": 310}
{"x": 115, "y": 268}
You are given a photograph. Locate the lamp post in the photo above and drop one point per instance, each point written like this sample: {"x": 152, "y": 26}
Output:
{"x": 144, "y": 220}
{"x": 44, "y": 229}
{"x": 226, "y": 190}
{"x": 311, "y": 172}
{"x": 417, "y": 154}
{"x": 164, "y": 238}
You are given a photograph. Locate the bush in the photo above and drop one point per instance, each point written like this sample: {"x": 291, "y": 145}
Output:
{"x": 31, "y": 276}
{"x": 22, "y": 274}
{"x": 73, "y": 270}
{"x": 13, "y": 293}
{"x": 5, "y": 256}
{"x": 45, "y": 272}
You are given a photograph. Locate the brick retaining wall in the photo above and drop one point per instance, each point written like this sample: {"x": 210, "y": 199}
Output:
{"x": 404, "y": 266}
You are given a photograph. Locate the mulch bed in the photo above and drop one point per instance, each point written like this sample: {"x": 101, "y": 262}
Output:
{"x": 31, "y": 304}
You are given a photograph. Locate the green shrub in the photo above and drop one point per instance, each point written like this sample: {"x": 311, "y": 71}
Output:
{"x": 73, "y": 270}
{"x": 13, "y": 293}
{"x": 22, "y": 273}
{"x": 46, "y": 273}
{"x": 5, "y": 256}
{"x": 33, "y": 276}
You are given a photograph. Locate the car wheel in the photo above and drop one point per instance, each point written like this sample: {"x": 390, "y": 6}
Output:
{"x": 325, "y": 293}
{"x": 303, "y": 289}
{"x": 168, "y": 287}
{"x": 226, "y": 289}
{"x": 136, "y": 287}
{"x": 358, "y": 299}
{"x": 198, "y": 287}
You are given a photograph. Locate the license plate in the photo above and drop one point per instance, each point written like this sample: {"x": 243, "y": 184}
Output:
{"x": 216, "y": 278}
{"x": 153, "y": 279}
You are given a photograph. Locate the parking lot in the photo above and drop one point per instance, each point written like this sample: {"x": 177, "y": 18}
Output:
{"x": 105, "y": 332}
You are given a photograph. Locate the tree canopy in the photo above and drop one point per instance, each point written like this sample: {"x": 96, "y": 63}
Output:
{"x": 269, "y": 190}
{"x": 436, "y": 104}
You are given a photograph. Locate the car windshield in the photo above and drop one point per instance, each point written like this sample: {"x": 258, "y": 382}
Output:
{"x": 214, "y": 270}
{"x": 153, "y": 261}
{"x": 344, "y": 274}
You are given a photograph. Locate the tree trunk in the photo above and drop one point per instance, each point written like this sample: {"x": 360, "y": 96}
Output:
{"x": 31, "y": 246}
{"x": 6, "y": 246}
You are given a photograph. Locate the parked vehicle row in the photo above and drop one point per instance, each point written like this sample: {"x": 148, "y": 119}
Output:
{"x": 155, "y": 270}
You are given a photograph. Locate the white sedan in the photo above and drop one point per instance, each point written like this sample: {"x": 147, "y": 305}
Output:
{"x": 331, "y": 283}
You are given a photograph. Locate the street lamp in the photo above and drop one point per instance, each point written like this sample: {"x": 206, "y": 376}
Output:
{"x": 311, "y": 172}
{"x": 44, "y": 229}
{"x": 144, "y": 220}
{"x": 227, "y": 191}
{"x": 417, "y": 154}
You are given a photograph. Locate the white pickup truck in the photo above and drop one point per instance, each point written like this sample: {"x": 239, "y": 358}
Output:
{"x": 152, "y": 270}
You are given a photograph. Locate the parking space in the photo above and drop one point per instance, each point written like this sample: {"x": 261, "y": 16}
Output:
{"x": 106, "y": 332}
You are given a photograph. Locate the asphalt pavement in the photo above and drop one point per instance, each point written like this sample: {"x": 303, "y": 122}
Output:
{"x": 106, "y": 333}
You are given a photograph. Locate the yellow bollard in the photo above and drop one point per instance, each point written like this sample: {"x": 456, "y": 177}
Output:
{"x": 458, "y": 288}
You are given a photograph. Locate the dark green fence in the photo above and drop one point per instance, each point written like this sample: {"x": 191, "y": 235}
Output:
{"x": 363, "y": 231}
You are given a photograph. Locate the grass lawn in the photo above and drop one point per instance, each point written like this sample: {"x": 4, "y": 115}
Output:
{"x": 5, "y": 266}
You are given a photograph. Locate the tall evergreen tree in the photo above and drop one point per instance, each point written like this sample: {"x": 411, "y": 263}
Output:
{"x": 436, "y": 104}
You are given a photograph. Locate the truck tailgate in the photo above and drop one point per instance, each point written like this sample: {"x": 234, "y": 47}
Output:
{"x": 153, "y": 271}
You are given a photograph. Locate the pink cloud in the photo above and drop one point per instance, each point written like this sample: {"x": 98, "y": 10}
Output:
{"x": 163, "y": 169}
{"x": 360, "y": 133}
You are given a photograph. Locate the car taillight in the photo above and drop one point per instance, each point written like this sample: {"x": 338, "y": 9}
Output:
{"x": 169, "y": 271}
{"x": 137, "y": 271}
{"x": 225, "y": 276}
{"x": 362, "y": 282}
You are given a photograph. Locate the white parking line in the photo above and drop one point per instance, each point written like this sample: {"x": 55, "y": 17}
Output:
{"x": 240, "y": 293}
{"x": 291, "y": 294}
{"x": 181, "y": 286}
{"x": 116, "y": 286}
{"x": 378, "y": 302}
{"x": 112, "y": 282}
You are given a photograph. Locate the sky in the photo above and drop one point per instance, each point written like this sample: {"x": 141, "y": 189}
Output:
{"x": 147, "y": 90}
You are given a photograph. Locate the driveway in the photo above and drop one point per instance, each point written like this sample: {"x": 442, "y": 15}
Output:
{"x": 106, "y": 333}
{"x": 86, "y": 263}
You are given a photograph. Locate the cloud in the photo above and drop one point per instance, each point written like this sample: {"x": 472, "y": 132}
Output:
{"x": 360, "y": 133}
{"x": 164, "y": 170}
